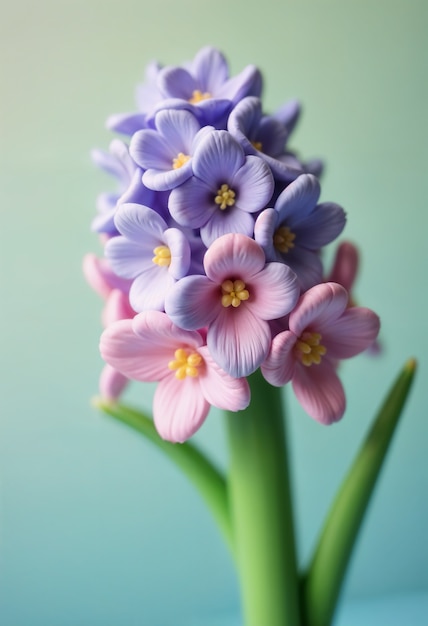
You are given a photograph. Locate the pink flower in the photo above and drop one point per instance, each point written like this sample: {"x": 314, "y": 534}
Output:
{"x": 235, "y": 300}
{"x": 151, "y": 348}
{"x": 322, "y": 330}
{"x": 345, "y": 266}
{"x": 115, "y": 291}
{"x": 344, "y": 272}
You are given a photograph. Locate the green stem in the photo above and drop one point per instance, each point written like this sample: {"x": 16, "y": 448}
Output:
{"x": 325, "y": 575}
{"x": 206, "y": 478}
{"x": 261, "y": 510}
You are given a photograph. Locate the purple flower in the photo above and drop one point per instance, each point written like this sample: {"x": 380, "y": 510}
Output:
{"x": 148, "y": 252}
{"x": 297, "y": 227}
{"x": 150, "y": 348}
{"x": 165, "y": 153}
{"x": 322, "y": 330}
{"x": 235, "y": 300}
{"x": 265, "y": 136}
{"x": 226, "y": 188}
{"x": 130, "y": 187}
{"x": 205, "y": 87}
{"x": 288, "y": 114}
{"x": 148, "y": 96}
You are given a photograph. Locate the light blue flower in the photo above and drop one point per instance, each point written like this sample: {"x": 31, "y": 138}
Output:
{"x": 149, "y": 253}
{"x": 226, "y": 189}
{"x": 295, "y": 229}
{"x": 165, "y": 152}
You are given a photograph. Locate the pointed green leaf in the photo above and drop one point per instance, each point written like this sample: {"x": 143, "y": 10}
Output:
{"x": 325, "y": 575}
{"x": 206, "y": 478}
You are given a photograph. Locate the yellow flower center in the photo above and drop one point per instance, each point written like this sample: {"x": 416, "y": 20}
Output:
{"x": 283, "y": 239}
{"x": 186, "y": 363}
{"x": 308, "y": 348}
{"x": 180, "y": 160}
{"x": 225, "y": 197}
{"x": 257, "y": 145}
{"x": 198, "y": 96}
{"x": 162, "y": 256}
{"x": 233, "y": 293}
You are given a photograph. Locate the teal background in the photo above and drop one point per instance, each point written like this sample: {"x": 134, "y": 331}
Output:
{"x": 95, "y": 527}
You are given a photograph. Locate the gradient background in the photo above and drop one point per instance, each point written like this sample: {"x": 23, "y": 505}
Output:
{"x": 96, "y": 528}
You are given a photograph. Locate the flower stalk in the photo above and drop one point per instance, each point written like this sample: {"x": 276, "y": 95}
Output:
{"x": 261, "y": 510}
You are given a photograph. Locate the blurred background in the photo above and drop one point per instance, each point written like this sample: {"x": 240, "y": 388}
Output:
{"x": 96, "y": 528}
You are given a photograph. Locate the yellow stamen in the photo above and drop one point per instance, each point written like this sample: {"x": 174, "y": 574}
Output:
{"x": 308, "y": 348}
{"x": 283, "y": 239}
{"x": 162, "y": 256}
{"x": 233, "y": 293}
{"x": 257, "y": 145}
{"x": 180, "y": 160}
{"x": 225, "y": 197}
{"x": 199, "y": 96}
{"x": 186, "y": 364}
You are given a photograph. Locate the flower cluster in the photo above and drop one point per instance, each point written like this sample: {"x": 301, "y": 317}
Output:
{"x": 212, "y": 264}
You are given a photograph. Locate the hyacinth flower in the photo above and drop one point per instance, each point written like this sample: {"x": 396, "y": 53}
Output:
{"x": 151, "y": 348}
{"x": 265, "y": 136}
{"x": 235, "y": 300}
{"x": 225, "y": 190}
{"x": 148, "y": 97}
{"x": 295, "y": 229}
{"x": 205, "y": 88}
{"x": 149, "y": 253}
{"x": 165, "y": 152}
{"x": 214, "y": 238}
{"x": 345, "y": 267}
{"x": 322, "y": 330}
{"x": 344, "y": 271}
{"x": 118, "y": 163}
{"x": 115, "y": 292}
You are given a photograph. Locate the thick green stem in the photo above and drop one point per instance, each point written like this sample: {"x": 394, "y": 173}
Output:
{"x": 260, "y": 500}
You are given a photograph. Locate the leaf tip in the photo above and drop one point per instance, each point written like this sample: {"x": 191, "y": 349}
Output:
{"x": 411, "y": 365}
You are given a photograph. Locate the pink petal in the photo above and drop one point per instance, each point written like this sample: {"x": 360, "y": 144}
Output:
{"x": 112, "y": 383}
{"x": 101, "y": 277}
{"x": 319, "y": 391}
{"x": 128, "y": 354}
{"x": 117, "y": 307}
{"x": 238, "y": 341}
{"x": 353, "y": 333}
{"x": 345, "y": 266}
{"x": 279, "y": 366}
{"x": 220, "y": 389}
{"x": 319, "y": 306}
{"x": 273, "y": 292}
{"x": 233, "y": 256}
{"x": 142, "y": 348}
{"x": 179, "y": 408}
{"x": 158, "y": 332}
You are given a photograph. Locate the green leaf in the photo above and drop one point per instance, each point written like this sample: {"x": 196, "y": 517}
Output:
{"x": 323, "y": 581}
{"x": 206, "y": 478}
